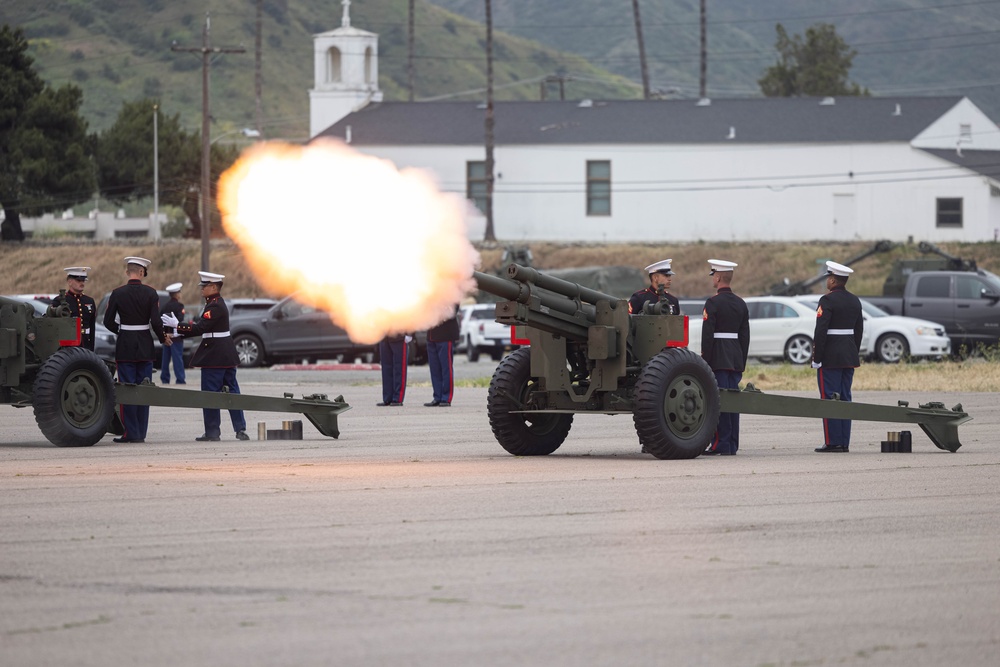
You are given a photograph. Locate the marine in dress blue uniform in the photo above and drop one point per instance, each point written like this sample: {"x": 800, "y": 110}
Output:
{"x": 80, "y": 305}
{"x": 134, "y": 309}
{"x": 836, "y": 344}
{"x": 725, "y": 342}
{"x": 392, "y": 357}
{"x": 440, "y": 357}
{"x": 660, "y": 276}
{"x": 173, "y": 353}
{"x": 216, "y": 355}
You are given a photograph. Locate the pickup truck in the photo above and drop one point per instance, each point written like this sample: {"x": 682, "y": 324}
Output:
{"x": 966, "y": 303}
{"x": 480, "y": 332}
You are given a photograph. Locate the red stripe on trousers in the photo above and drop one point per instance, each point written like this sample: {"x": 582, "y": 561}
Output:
{"x": 822, "y": 394}
{"x": 402, "y": 384}
{"x": 451, "y": 373}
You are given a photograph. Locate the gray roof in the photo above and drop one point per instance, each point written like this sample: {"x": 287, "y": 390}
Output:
{"x": 986, "y": 163}
{"x": 753, "y": 120}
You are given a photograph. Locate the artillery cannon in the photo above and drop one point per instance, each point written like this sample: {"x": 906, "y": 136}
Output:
{"x": 73, "y": 394}
{"x": 586, "y": 353}
{"x": 788, "y": 288}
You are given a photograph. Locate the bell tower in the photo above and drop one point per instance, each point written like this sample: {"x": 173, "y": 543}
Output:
{"x": 345, "y": 66}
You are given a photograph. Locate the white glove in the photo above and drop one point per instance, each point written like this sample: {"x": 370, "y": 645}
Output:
{"x": 169, "y": 320}
{"x": 817, "y": 365}
{"x": 408, "y": 338}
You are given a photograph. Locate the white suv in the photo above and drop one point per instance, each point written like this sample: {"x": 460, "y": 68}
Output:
{"x": 480, "y": 332}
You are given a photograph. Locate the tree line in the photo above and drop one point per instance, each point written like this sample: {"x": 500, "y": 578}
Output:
{"x": 49, "y": 162}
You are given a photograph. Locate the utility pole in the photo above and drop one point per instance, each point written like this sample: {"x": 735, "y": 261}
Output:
{"x": 490, "y": 234}
{"x": 642, "y": 50}
{"x": 703, "y": 76}
{"x": 409, "y": 55}
{"x": 155, "y": 231}
{"x": 258, "y": 75}
{"x": 206, "y": 52}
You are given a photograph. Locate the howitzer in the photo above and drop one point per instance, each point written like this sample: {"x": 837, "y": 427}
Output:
{"x": 587, "y": 353}
{"x": 74, "y": 396}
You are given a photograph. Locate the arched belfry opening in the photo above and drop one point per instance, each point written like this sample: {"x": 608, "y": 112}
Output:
{"x": 369, "y": 57}
{"x": 334, "y": 66}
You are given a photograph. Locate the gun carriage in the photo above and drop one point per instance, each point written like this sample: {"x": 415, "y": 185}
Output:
{"x": 586, "y": 353}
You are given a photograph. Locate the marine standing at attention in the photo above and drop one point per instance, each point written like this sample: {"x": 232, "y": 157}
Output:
{"x": 174, "y": 353}
{"x": 134, "y": 309}
{"x": 80, "y": 305}
{"x": 660, "y": 277}
{"x": 216, "y": 356}
{"x": 836, "y": 344}
{"x": 725, "y": 342}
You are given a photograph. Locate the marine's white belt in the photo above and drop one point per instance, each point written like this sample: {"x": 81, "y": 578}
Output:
{"x": 840, "y": 332}
{"x": 726, "y": 335}
{"x": 134, "y": 327}
{"x": 86, "y": 331}
{"x": 216, "y": 334}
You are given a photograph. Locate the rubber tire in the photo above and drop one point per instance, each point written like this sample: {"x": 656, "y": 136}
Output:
{"x": 676, "y": 408}
{"x": 891, "y": 348}
{"x": 520, "y": 434}
{"x": 250, "y": 350}
{"x": 73, "y": 398}
{"x": 796, "y": 346}
{"x": 472, "y": 352}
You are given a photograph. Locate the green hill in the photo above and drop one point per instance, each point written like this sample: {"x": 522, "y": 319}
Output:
{"x": 120, "y": 50}
{"x": 912, "y": 47}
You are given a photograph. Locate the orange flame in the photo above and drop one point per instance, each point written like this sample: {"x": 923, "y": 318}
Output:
{"x": 383, "y": 251}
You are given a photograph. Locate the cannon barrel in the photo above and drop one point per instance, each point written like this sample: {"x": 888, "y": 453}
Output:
{"x": 557, "y": 285}
{"x": 514, "y": 290}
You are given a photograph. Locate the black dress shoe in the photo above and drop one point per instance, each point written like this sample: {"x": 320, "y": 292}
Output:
{"x": 444, "y": 404}
{"x": 208, "y": 438}
{"x": 432, "y": 404}
{"x": 831, "y": 448}
{"x": 396, "y": 404}
{"x": 126, "y": 440}
{"x": 242, "y": 435}
{"x": 710, "y": 452}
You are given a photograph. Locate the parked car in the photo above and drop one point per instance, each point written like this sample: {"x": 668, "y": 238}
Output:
{"x": 896, "y": 337}
{"x": 36, "y": 304}
{"x": 293, "y": 331}
{"x": 481, "y": 333}
{"x": 780, "y": 328}
{"x": 966, "y": 303}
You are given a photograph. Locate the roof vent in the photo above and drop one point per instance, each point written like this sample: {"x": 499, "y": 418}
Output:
{"x": 704, "y": 102}
{"x": 586, "y": 104}
{"x": 732, "y": 132}
{"x": 898, "y": 111}
{"x": 827, "y": 102}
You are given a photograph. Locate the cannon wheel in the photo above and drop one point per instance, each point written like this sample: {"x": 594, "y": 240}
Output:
{"x": 676, "y": 405}
{"x": 74, "y": 398}
{"x": 522, "y": 434}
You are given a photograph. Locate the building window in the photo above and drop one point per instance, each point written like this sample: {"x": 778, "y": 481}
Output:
{"x": 333, "y": 65}
{"x": 965, "y": 132}
{"x": 368, "y": 65}
{"x": 598, "y": 187}
{"x": 949, "y": 212}
{"x": 475, "y": 183}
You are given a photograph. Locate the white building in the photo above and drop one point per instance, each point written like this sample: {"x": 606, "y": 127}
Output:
{"x": 759, "y": 169}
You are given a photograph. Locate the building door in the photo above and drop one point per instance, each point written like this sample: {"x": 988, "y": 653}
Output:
{"x": 845, "y": 222}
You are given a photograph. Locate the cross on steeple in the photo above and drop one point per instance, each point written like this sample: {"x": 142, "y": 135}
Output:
{"x": 345, "y": 21}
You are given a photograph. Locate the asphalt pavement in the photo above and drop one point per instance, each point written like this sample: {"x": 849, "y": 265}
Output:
{"x": 415, "y": 539}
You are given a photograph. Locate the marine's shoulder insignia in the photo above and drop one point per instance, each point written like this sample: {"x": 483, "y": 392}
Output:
{"x": 819, "y": 312}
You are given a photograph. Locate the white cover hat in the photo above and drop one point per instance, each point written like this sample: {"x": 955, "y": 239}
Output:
{"x": 173, "y": 288}
{"x": 832, "y": 268}
{"x": 719, "y": 265}
{"x": 660, "y": 267}
{"x": 141, "y": 261}
{"x": 79, "y": 272}
{"x": 207, "y": 278}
